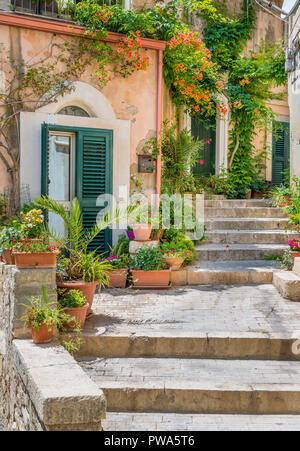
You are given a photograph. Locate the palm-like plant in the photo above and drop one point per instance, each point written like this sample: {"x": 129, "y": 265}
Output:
{"x": 81, "y": 264}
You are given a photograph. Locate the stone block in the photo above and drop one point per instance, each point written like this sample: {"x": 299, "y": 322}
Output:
{"x": 62, "y": 394}
{"x": 296, "y": 268}
{"x": 288, "y": 284}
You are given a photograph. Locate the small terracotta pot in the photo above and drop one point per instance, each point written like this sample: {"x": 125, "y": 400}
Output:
{"x": 258, "y": 195}
{"x": 148, "y": 278}
{"x": 7, "y": 257}
{"x": 43, "y": 335}
{"x": 87, "y": 289}
{"x": 249, "y": 194}
{"x": 34, "y": 259}
{"x": 295, "y": 254}
{"x": 175, "y": 263}
{"x": 286, "y": 202}
{"x": 142, "y": 232}
{"x": 79, "y": 313}
{"x": 156, "y": 235}
{"x": 117, "y": 278}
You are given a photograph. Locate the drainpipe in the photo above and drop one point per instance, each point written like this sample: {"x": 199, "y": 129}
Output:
{"x": 159, "y": 124}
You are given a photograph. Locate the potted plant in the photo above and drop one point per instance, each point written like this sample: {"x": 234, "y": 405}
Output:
{"x": 9, "y": 235}
{"x": 175, "y": 239}
{"x": 79, "y": 269}
{"x": 75, "y": 305}
{"x": 148, "y": 268}
{"x": 281, "y": 196}
{"x": 130, "y": 233}
{"x": 43, "y": 317}
{"x": 32, "y": 253}
{"x": 173, "y": 255}
{"x": 260, "y": 188}
{"x": 295, "y": 248}
{"x": 141, "y": 223}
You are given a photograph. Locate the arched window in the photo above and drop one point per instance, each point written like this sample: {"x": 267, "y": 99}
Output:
{"x": 73, "y": 110}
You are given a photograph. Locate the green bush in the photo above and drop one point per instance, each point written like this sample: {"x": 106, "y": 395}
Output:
{"x": 148, "y": 258}
{"x": 72, "y": 299}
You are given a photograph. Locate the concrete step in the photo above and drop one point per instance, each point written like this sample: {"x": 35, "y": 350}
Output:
{"x": 238, "y": 203}
{"x": 247, "y": 224}
{"x": 197, "y": 386}
{"x": 220, "y": 252}
{"x": 160, "y": 421}
{"x": 226, "y": 273}
{"x": 243, "y": 212}
{"x": 251, "y": 236}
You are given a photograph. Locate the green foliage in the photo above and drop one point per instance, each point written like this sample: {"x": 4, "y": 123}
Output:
{"x": 10, "y": 234}
{"x": 182, "y": 242}
{"x": 81, "y": 264}
{"x": 119, "y": 256}
{"x": 148, "y": 258}
{"x": 72, "y": 299}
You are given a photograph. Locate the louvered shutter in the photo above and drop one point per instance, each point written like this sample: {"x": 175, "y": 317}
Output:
{"x": 94, "y": 177}
{"x": 205, "y": 132}
{"x": 281, "y": 152}
{"x": 45, "y": 159}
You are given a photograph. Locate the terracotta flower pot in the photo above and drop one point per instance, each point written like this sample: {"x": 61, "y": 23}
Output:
{"x": 79, "y": 313}
{"x": 249, "y": 194}
{"x": 175, "y": 263}
{"x": 295, "y": 254}
{"x": 117, "y": 278}
{"x": 43, "y": 335}
{"x": 156, "y": 235}
{"x": 7, "y": 257}
{"x": 258, "y": 195}
{"x": 142, "y": 232}
{"x": 34, "y": 259}
{"x": 148, "y": 278}
{"x": 87, "y": 289}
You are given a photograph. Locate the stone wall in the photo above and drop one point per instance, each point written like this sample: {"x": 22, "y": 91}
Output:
{"x": 41, "y": 387}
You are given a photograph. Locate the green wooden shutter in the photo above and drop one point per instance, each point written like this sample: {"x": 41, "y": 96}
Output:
{"x": 204, "y": 132}
{"x": 94, "y": 177}
{"x": 45, "y": 159}
{"x": 281, "y": 152}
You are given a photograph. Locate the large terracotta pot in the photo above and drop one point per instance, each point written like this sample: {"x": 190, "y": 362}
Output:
{"x": 87, "y": 289}
{"x": 295, "y": 254}
{"x": 43, "y": 335}
{"x": 7, "y": 257}
{"x": 142, "y": 232}
{"x": 151, "y": 278}
{"x": 174, "y": 263}
{"x": 79, "y": 314}
{"x": 34, "y": 259}
{"x": 117, "y": 278}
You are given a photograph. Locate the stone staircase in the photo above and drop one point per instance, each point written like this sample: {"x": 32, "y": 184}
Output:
{"x": 243, "y": 235}
{"x": 196, "y": 358}
{"x": 219, "y": 353}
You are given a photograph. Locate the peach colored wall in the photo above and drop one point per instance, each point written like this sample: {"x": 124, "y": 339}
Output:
{"x": 133, "y": 98}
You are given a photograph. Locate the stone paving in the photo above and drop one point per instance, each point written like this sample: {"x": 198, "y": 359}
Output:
{"x": 124, "y": 421}
{"x": 189, "y": 311}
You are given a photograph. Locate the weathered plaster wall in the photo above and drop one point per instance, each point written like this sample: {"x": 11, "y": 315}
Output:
{"x": 294, "y": 98}
{"x": 133, "y": 99}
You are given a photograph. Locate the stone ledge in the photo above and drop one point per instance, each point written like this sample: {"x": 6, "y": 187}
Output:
{"x": 288, "y": 284}
{"x": 64, "y": 397}
{"x": 296, "y": 269}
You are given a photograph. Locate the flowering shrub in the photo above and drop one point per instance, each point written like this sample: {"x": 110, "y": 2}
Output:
{"x": 117, "y": 262}
{"x": 27, "y": 245}
{"x": 148, "y": 258}
{"x": 294, "y": 245}
{"x": 32, "y": 223}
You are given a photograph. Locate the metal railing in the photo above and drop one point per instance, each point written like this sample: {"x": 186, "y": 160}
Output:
{"x": 57, "y": 8}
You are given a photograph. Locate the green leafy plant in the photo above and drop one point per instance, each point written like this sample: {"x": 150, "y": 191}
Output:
{"x": 80, "y": 263}
{"x": 72, "y": 299}
{"x": 27, "y": 245}
{"x": 148, "y": 258}
{"x": 9, "y": 235}
{"x": 173, "y": 237}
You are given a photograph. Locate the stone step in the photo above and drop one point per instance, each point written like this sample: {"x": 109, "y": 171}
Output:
{"x": 238, "y": 203}
{"x": 288, "y": 285}
{"x": 160, "y": 421}
{"x": 197, "y": 385}
{"x": 220, "y": 252}
{"x": 243, "y": 212}
{"x": 247, "y": 224}
{"x": 226, "y": 273}
{"x": 251, "y": 236}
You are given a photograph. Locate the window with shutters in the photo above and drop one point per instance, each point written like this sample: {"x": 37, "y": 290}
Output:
{"x": 280, "y": 151}
{"x": 78, "y": 162}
